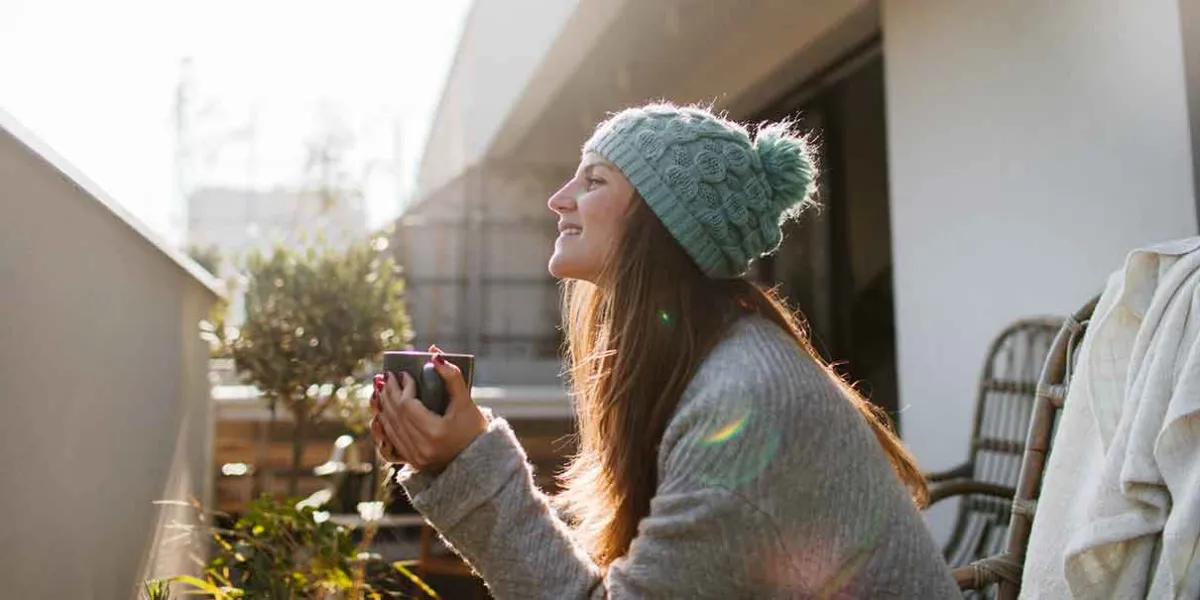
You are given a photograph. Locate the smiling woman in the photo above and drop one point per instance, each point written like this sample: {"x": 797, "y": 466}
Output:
{"x": 718, "y": 457}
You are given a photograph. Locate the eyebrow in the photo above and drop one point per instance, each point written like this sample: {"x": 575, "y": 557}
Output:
{"x": 596, "y": 163}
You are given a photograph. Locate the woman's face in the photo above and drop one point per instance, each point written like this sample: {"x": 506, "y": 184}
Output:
{"x": 590, "y": 208}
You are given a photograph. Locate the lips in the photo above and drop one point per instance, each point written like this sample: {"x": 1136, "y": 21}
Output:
{"x": 568, "y": 230}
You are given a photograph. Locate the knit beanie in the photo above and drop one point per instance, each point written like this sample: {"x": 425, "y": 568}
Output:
{"x": 723, "y": 197}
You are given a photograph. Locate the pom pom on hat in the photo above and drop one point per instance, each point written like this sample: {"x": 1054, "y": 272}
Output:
{"x": 787, "y": 165}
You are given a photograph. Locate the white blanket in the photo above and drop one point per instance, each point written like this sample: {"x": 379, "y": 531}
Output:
{"x": 1119, "y": 516}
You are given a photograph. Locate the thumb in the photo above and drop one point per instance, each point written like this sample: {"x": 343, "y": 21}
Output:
{"x": 456, "y": 386}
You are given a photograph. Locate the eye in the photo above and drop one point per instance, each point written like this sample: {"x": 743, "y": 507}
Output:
{"x": 593, "y": 183}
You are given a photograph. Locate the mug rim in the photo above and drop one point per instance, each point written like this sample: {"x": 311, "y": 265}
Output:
{"x": 426, "y": 353}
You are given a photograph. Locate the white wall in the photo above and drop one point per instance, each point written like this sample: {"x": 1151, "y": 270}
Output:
{"x": 503, "y": 42}
{"x": 1189, "y": 17}
{"x": 1031, "y": 145}
{"x": 103, "y": 374}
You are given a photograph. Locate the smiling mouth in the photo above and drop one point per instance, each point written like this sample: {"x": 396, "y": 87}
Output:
{"x": 570, "y": 231}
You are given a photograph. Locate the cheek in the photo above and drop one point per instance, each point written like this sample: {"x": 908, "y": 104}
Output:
{"x": 581, "y": 257}
{"x": 597, "y": 238}
{"x": 602, "y": 218}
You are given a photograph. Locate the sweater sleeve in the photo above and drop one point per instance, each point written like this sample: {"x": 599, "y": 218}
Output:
{"x": 698, "y": 541}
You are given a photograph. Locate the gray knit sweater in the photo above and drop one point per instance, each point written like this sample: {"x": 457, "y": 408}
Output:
{"x": 770, "y": 485}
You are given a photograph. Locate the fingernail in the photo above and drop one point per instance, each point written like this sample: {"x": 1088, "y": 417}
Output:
{"x": 439, "y": 360}
{"x": 379, "y": 379}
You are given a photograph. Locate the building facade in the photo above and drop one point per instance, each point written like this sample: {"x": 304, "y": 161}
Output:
{"x": 237, "y": 221}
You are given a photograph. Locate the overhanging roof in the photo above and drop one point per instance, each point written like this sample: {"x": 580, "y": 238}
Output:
{"x": 502, "y": 44}
{"x": 536, "y": 108}
{"x": 737, "y": 56}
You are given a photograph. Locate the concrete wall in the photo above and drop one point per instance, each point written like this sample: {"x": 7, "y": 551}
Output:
{"x": 503, "y": 42}
{"x": 104, "y": 379}
{"x": 1030, "y": 145}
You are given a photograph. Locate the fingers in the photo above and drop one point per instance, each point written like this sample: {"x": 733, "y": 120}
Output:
{"x": 402, "y": 405}
{"x": 456, "y": 386}
{"x": 382, "y": 445}
{"x": 426, "y": 440}
{"x": 400, "y": 441}
{"x": 377, "y": 432}
{"x": 385, "y": 447}
{"x": 423, "y": 444}
{"x": 399, "y": 396}
{"x": 408, "y": 390}
{"x": 393, "y": 388}
{"x": 378, "y": 382}
{"x": 393, "y": 422}
{"x": 423, "y": 430}
{"x": 425, "y": 422}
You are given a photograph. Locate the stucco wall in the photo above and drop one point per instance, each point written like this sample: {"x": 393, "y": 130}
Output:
{"x": 1031, "y": 145}
{"x": 104, "y": 379}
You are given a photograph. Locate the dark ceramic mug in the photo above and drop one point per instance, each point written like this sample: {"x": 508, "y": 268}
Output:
{"x": 431, "y": 390}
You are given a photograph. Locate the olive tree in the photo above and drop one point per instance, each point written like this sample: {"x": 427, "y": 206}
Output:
{"x": 313, "y": 317}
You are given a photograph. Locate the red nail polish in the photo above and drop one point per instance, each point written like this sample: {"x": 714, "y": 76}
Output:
{"x": 379, "y": 379}
{"x": 439, "y": 360}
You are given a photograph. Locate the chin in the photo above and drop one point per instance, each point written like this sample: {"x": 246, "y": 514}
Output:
{"x": 559, "y": 269}
{"x": 555, "y": 266}
{"x": 563, "y": 268}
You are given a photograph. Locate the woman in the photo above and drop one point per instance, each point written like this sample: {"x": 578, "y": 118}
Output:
{"x": 718, "y": 457}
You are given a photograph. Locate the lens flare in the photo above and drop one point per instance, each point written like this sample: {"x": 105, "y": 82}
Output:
{"x": 666, "y": 318}
{"x": 739, "y": 448}
{"x": 828, "y": 560}
{"x": 728, "y": 431}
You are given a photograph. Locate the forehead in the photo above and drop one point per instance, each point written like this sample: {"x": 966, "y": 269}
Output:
{"x": 593, "y": 159}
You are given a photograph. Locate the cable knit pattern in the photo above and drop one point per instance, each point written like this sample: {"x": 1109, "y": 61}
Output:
{"x": 771, "y": 485}
{"x": 722, "y": 197}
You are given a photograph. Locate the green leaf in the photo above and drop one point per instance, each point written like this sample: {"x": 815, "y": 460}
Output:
{"x": 158, "y": 589}
{"x": 403, "y": 570}
{"x": 202, "y": 586}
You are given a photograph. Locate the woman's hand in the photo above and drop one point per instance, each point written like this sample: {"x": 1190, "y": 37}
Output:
{"x": 408, "y": 432}
{"x": 386, "y": 449}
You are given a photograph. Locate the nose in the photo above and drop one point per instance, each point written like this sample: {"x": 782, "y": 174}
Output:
{"x": 563, "y": 200}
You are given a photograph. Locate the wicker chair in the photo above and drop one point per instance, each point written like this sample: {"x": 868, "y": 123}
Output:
{"x": 987, "y": 481}
{"x": 1004, "y": 569}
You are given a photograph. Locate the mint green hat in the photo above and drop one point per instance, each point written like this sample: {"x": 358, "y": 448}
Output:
{"x": 723, "y": 197}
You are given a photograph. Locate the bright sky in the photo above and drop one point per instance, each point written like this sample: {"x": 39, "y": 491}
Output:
{"x": 97, "y": 81}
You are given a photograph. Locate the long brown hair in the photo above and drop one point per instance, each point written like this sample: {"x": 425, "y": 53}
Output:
{"x": 634, "y": 341}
